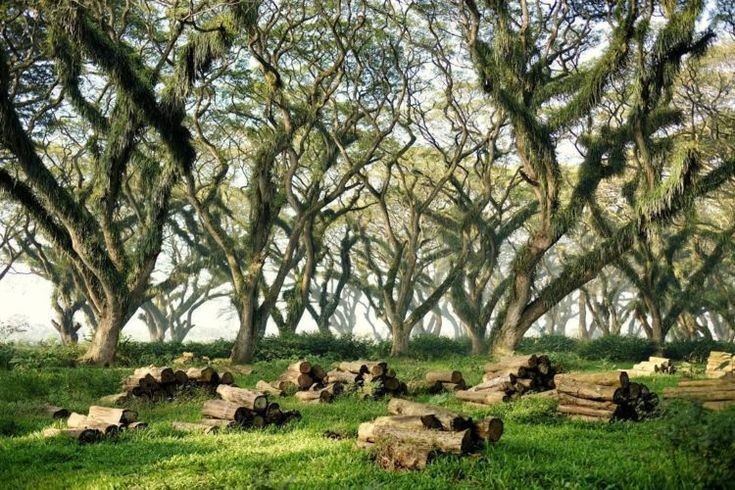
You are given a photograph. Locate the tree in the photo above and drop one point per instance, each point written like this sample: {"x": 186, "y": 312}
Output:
{"x": 538, "y": 78}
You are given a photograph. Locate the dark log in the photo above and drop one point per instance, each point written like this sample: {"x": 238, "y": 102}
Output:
{"x": 227, "y": 378}
{"x": 56, "y": 412}
{"x": 450, "y": 420}
{"x": 489, "y": 429}
{"x": 162, "y": 375}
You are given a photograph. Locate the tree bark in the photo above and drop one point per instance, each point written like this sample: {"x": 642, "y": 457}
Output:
{"x": 104, "y": 343}
{"x": 399, "y": 346}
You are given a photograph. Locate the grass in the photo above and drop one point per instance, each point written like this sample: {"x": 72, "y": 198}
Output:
{"x": 538, "y": 450}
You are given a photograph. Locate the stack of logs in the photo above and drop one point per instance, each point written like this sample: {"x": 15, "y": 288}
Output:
{"x": 238, "y": 408}
{"x": 98, "y": 423}
{"x": 415, "y": 432}
{"x": 439, "y": 381}
{"x": 720, "y": 365}
{"x": 714, "y": 394}
{"x": 370, "y": 379}
{"x": 163, "y": 383}
{"x": 604, "y": 397}
{"x": 654, "y": 365}
{"x": 510, "y": 379}
{"x": 308, "y": 382}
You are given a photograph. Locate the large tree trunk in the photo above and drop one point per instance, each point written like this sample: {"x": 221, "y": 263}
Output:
{"x": 64, "y": 325}
{"x": 399, "y": 346}
{"x": 478, "y": 342}
{"x": 506, "y": 340}
{"x": 584, "y": 334}
{"x": 104, "y": 343}
{"x": 247, "y": 336}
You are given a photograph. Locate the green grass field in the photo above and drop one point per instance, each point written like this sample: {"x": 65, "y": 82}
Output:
{"x": 538, "y": 450}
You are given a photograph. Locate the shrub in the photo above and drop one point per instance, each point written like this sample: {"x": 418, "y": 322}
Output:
{"x": 617, "y": 348}
{"x": 547, "y": 343}
{"x": 433, "y": 346}
{"x": 696, "y": 350}
{"x": 706, "y": 438}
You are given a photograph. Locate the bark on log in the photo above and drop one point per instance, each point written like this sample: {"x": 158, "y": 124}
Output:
{"x": 303, "y": 367}
{"x": 202, "y": 375}
{"x": 444, "y": 376}
{"x": 162, "y": 375}
{"x": 450, "y": 420}
{"x": 317, "y": 372}
{"x": 409, "y": 422}
{"x": 586, "y": 411}
{"x": 56, "y": 412}
{"x": 116, "y": 399}
{"x": 195, "y": 427}
{"x": 565, "y": 399}
{"x": 584, "y": 390}
{"x": 459, "y": 442}
{"x": 484, "y": 397}
{"x": 227, "y": 378}
{"x": 321, "y": 396}
{"x": 76, "y": 421}
{"x": 719, "y": 405}
{"x": 512, "y": 363}
{"x": 113, "y": 415}
{"x": 342, "y": 376}
{"x": 708, "y": 396}
{"x": 266, "y": 387}
{"x": 356, "y": 367}
{"x": 225, "y": 410}
{"x": 84, "y": 436}
{"x": 252, "y": 400}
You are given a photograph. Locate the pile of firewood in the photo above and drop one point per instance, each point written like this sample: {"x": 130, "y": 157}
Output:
{"x": 416, "y": 432}
{"x": 307, "y": 382}
{"x": 604, "y": 397}
{"x": 654, "y": 365}
{"x": 510, "y": 379}
{"x": 98, "y": 423}
{"x": 238, "y": 408}
{"x": 370, "y": 379}
{"x": 714, "y": 394}
{"x": 163, "y": 383}
{"x": 720, "y": 365}
{"x": 439, "y": 381}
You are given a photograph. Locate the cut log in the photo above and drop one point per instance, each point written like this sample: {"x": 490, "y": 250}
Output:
{"x": 317, "y": 372}
{"x": 459, "y": 442}
{"x": 489, "y": 429}
{"x": 586, "y": 411}
{"x": 513, "y": 362}
{"x": 227, "y": 378}
{"x": 113, "y": 415}
{"x": 450, "y": 420}
{"x": 116, "y": 399}
{"x": 343, "y": 376}
{"x": 607, "y": 378}
{"x": 137, "y": 426}
{"x": 202, "y": 375}
{"x": 484, "y": 397}
{"x": 76, "y": 421}
{"x": 321, "y": 396}
{"x": 453, "y": 386}
{"x": 225, "y": 410}
{"x": 585, "y": 390}
{"x": 706, "y": 382}
{"x": 566, "y": 399}
{"x": 303, "y": 367}
{"x": 356, "y": 367}
{"x": 252, "y": 400}
{"x": 265, "y": 387}
{"x": 707, "y": 396}
{"x": 162, "y": 375}
{"x": 56, "y": 412}
{"x": 444, "y": 376}
{"x": 181, "y": 377}
{"x": 719, "y": 405}
{"x": 400, "y": 456}
{"x": 195, "y": 427}
{"x": 222, "y": 423}
{"x": 495, "y": 379}
{"x": 300, "y": 380}
{"x": 409, "y": 422}
{"x": 84, "y": 436}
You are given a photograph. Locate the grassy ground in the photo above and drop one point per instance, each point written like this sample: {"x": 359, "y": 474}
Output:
{"x": 537, "y": 450}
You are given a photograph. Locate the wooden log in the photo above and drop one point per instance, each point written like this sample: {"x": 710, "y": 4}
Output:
{"x": 492, "y": 380}
{"x": 227, "y": 378}
{"x": 706, "y": 382}
{"x": 444, "y": 376}
{"x": 489, "y": 429}
{"x": 273, "y": 414}
{"x": 181, "y": 377}
{"x": 76, "y": 421}
{"x": 109, "y": 430}
{"x": 56, "y": 412}
{"x": 587, "y": 418}
{"x": 698, "y": 389}
{"x": 222, "y": 423}
{"x": 136, "y": 426}
{"x": 707, "y": 396}
{"x": 400, "y": 456}
{"x": 321, "y": 396}
{"x": 566, "y": 399}
{"x": 195, "y": 427}
{"x": 265, "y": 387}
{"x": 608, "y": 378}
{"x": 450, "y": 420}
{"x": 484, "y": 397}
{"x": 586, "y": 390}
{"x": 84, "y": 436}
{"x": 162, "y": 375}
{"x": 342, "y": 376}
{"x": 252, "y": 400}
{"x": 202, "y": 375}
{"x": 512, "y": 363}
{"x": 391, "y": 384}
{"x": 116, "y": 399}
{"x": 390, "y": 373}
{"x": 335, "y": 388}
{"x": 459, "y": 442}
{"x": 300, "y": 380}
{"x": 410, "y": 422}
{"x": 225, "y": 410}
{"x": 285, "y": 385}
{"x": 356, "y": 367}
{"x": 719, "y": 405}
{"x": 303, "y": 367}
{"x": 586, "y": 411}
{"x": 113, "y": 415}
{"x": 145, "y": 382}
{"x": 317, "y": 372}
{"x": 453, "y": 386}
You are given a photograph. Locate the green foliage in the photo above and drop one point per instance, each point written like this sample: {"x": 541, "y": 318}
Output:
{"x": 36, "y": 356}
{"x": 696, "y": 350}
{"x": 547, "y": 343}
{"x": 434, "y": 346}
{"x": 313, "y": 344}
{"x": 705, "y": 439}
{"x": 617, "y": 348}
